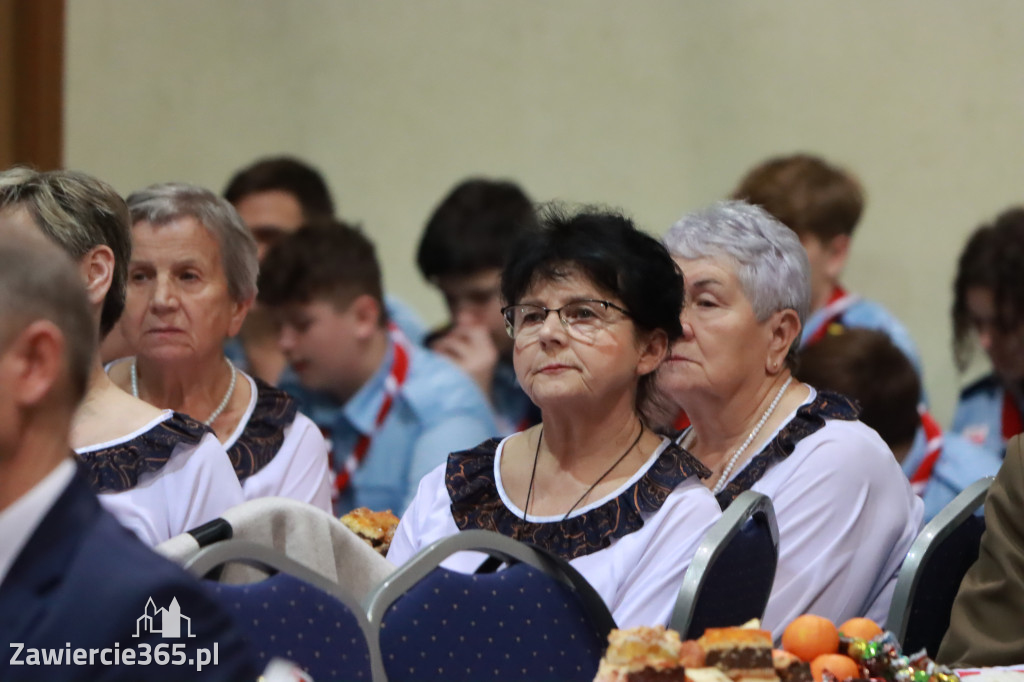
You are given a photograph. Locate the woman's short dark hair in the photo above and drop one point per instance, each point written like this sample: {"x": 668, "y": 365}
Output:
{"x": 607, "y": 248}
{"x": 993, "y": 259}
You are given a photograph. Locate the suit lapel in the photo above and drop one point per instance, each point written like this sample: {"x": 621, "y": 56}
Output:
{"x": 49, "y": 553}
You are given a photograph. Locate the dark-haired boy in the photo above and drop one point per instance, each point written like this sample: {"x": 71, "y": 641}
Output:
{"x": 391, "y": 410}
{"x": 462, "y": 252}
{"x": 275, "y": 196}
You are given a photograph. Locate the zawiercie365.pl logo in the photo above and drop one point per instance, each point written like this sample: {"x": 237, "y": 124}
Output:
{"x": 168, "y": 622}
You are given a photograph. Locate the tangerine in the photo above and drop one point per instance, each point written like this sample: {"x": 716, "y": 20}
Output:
{"x": 843, "y": 667}
{"x": 860, "y": 628}
{"x": 810, "y": 636}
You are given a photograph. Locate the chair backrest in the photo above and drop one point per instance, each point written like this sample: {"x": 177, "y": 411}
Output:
{"x": 295, "y": 613}
{"x": 538, "y": 619}
{"x": 933, "y": 569}
{"x": 731, "y": 575}
{"x": 300, "y": 531}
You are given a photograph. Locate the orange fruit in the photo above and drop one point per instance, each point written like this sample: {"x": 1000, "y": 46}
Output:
{"x": 810, "y": 636}
{"x": 860, "y": 628}
{"x": 843, "y": 667}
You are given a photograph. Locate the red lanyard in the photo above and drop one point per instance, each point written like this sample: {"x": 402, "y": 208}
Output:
{"x": 933, "y": 448}
{"x": 834, "y": 310}
{"x": 392, "y": 385}
{"x": 1012, "y": 421}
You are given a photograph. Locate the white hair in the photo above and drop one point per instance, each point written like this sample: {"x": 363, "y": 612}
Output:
{"x": 770, "y": 262}
{"x": 163, "y": 203}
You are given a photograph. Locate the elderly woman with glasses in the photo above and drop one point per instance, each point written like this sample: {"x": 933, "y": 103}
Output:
{"x": 593, "y": 305}
{"x": 845, "y": 510}
{"x": 191, "y": 282}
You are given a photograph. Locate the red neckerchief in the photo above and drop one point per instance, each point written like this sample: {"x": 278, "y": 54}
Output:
{"x": 837, "y": 304}
{"x": 681, "y": 422}
{"x": 1013, "y": 423}
{"x": 392, "y": 385}
{"x": 933, "y": 448}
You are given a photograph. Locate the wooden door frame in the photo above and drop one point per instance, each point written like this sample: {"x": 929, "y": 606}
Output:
{"x": 32, "y": 83}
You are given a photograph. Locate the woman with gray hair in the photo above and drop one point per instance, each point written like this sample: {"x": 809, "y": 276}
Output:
{"x": 845, "y": 510}
{"x": 191, "y": 282}
{"x": 159, "y": 472}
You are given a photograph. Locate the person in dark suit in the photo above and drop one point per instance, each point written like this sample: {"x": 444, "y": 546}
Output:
{"x": 81, "y": 598}
{"x": 985, "y": 626}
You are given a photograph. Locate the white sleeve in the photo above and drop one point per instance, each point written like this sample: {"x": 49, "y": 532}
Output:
{"x": 195, "y": 486}
{"x": 846, "y": 519}
{"x": 298, "y": 471}
{"x": 428, "y": 518}
{"x": 640, "y": 574}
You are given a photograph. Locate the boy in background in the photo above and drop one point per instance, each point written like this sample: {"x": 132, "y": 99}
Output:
{"x": 822, "y": 204}
{"x": 391, "y": 410}
{"x": 462, "y": 253}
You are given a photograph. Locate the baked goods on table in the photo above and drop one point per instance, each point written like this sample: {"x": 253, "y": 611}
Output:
{"x": 642, "y": 653}
{"x": 376, "y": 528}
{"x": 744, "y": 654}
{"x": 789, "y": 668}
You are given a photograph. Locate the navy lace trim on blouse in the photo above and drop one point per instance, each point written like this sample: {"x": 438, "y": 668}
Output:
{"x": 263, "y": 435}
{"x": 476, "y": 503}
{"x": 809, "y": 419}
{"x": 119, "y": 467}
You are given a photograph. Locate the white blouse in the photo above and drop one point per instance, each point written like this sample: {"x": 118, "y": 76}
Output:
{"x": 195, "y": 485}
{"x": 300, "y": 468}
{"x": 638, "y": 575}
{"x": 846, "y": 517}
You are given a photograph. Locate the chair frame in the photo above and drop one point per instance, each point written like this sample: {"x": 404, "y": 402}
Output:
{"x": 494, "y": 545}
{"x": 928, "y": 540}
{"x": 271, "y": 561}
{"x": 747, "y": 504}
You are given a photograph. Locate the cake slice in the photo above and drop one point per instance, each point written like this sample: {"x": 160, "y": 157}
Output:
{"x": 744, "y": 654}
{"x": 375, "y": 528}
{"x": 706, "y": 675}
{"x": 642, "y": 654}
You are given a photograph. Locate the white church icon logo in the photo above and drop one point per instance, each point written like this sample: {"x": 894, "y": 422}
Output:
{"x": 166, "y": 622}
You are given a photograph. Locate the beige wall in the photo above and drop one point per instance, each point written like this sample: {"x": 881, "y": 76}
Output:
{"x": 653, "y": 106}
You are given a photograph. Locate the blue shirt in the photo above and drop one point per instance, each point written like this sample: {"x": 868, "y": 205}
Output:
{"x": 438, "y": 410}
{"x": 979, "y": 414}
{"x": 960, "y": 464}
{"x": 513, "y": 409}
{"x": 865, "y": 314}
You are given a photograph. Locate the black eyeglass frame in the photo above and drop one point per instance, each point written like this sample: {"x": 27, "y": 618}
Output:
{"x": 510, "y": 328}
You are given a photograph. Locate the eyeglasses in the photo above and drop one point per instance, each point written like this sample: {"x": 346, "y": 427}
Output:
{"x": 581, "y": 319}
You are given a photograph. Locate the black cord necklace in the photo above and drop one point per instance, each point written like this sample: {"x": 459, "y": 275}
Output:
{"x": 533, "y": 474}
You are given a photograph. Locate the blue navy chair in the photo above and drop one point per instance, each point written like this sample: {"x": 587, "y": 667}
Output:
{"x": 933, "y": 570}
{"x": 731, "y": 575}
{"x": 294, "y": 613}
{"x": 536, "y": 619}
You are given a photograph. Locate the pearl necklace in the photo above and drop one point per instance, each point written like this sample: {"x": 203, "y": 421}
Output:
{"x": 723, "y": 479}
{"x": 216, "y": 412}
